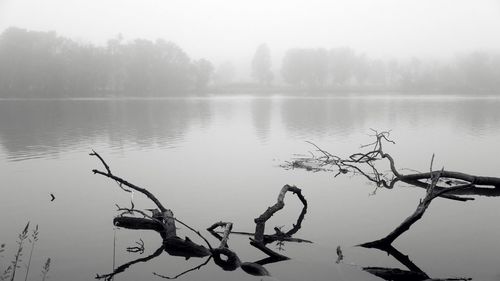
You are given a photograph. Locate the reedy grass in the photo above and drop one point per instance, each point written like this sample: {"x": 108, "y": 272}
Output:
{"x": 6, "y": 273}
{"x": 18, "y": 257}
{"x": 45, "y": 269}
{"x": 10, "y": 272}
{"x": 34, "y": 238}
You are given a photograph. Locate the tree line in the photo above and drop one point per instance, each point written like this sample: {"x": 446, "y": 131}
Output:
{"x": 343, "y": 68}
{"x": 43, "y": 64}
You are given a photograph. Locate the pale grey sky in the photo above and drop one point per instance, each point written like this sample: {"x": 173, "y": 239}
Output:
{"x": 232, "y": 29}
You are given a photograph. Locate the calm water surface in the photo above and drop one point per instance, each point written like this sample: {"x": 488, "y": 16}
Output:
{"x": 215, "y": 159}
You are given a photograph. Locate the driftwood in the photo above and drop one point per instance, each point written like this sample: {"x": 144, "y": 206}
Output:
{"x": 260, "y": 222}
{"x": 438, "y": 183}
{"x": 259, "y": 239}
{"x": 419, "y": 212}
{"x": 366, "y": 164}
{"x": 162, "y": 221}
{"x": 385, "y": 244}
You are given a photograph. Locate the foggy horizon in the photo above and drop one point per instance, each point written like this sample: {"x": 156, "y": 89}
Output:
{"x": 152, "y": 139}
{"x": 231, "y": 30}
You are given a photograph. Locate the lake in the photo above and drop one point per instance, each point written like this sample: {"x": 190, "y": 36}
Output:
{"x": 218, "y": 158}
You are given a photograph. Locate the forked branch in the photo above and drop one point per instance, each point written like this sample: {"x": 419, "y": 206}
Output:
{"x": 367, "y": 164}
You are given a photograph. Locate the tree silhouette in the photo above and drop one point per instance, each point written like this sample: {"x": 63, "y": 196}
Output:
{"x": 261, "y": 65}
{"x": 45, "y": 65}
{"x": 305, "y": 67}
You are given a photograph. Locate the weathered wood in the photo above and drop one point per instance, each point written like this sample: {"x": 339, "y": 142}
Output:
{"x": 403, "y": 227}
{"x": 365, "y": 165}
{"x": 186, "y": 248}
{"x": 161, "y": 221}
{"x": 126, "y": 183}
{"x": 228, "y": 226}
{"x": 431, "y": 194}
{"x": 473, "y": 179}
{"x": 260, "y": 245}
{"x": 169, "y": 222}
{"x": 262, "y": 219}
{"x": 138, "y": 223}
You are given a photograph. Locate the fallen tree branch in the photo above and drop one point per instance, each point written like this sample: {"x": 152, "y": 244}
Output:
{"x": 228, "y": 226}
{"x": 162, "y": 221}
{"x": 126, "y": 183}
{"x": 424, "y": 203}
{"x": 262, "y": 219}
{"x": 366, "y": 164}
{"x": 438, "y": 183}
{"x": 269, "y": 238}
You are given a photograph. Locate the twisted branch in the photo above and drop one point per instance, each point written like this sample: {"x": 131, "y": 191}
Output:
{"x": 365, "y": 164}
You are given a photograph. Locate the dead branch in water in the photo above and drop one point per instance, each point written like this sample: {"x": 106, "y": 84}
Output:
{"x": 162, "y": 221}
{"x": 262, "y": 219}
{"x": 431, "y": 194}
{"x": 359, "y": 163}
{"x": 259, "y": 239}
{"x": 367, "y": 164}
{"x": 438, "y": 183}
{"x": 163, "y": 216}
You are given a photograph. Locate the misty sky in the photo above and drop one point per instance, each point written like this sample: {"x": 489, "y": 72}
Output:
{"x": 232, "y": 29}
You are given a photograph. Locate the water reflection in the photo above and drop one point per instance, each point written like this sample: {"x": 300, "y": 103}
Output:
{"x": 223, "y": 256}
{"x": 30, "y": 129}
{"x": 44, "y": 128}
{"x": 414, "y": 273}
{"x": 317, "y": 117}
{"x": 163, "y": 222}
{"x": 366, "y": 163}
{"x": 262, "y": 114}
{"x": 227, "y": 146}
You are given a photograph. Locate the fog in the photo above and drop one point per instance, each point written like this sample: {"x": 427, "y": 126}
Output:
{"x": 209, "y": 107}
{"x": 149, "y": 48}
{"x": 230, "y": 30}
